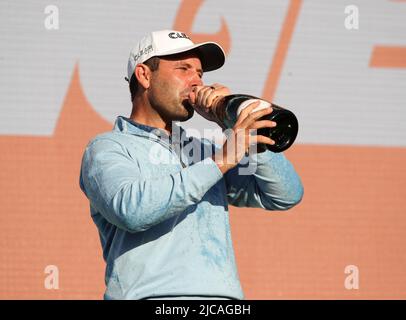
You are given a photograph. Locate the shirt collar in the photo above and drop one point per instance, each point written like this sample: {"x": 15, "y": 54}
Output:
{"x": 127, "y": 125}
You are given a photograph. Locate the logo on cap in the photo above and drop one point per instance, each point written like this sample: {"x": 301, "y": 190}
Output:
{"x": 176, "y": 35}
{"x": 142, "y": 52}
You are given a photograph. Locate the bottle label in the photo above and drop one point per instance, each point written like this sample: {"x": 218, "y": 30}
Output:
{"x": 262, "y": 105}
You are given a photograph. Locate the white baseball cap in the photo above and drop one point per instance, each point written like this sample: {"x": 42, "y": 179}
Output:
{"x": 167, "y": 42}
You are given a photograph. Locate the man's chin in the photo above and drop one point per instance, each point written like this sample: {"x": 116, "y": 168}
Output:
{"x": 189, "y": 112}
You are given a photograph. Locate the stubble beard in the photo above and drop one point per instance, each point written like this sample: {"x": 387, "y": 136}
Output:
{"x": 170, "y": 104}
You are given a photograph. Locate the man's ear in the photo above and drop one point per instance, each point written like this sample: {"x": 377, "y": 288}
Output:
{"x": 143, "y": 75}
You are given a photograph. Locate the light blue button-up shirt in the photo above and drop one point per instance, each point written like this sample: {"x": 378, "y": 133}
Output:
{"x": 161, "y": 209}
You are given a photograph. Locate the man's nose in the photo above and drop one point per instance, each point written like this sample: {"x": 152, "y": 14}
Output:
{"x": 196, "y": 81}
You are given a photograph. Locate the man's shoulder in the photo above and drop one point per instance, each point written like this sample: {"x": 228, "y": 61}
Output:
{"x": 108, "y": 138}
{"x": 105, "y": 136}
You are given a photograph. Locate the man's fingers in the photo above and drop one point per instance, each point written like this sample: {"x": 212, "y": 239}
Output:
{"x": 253, "y": 116}
{"x": 249, "y": 136}
{"x": 214, "y": 94}
{"x": 255, "y": 139}
{"x": 244, "y": 113}
{"x": 205, "y": 95}
{"x": 217, "y": 90}
{"x": 220, "y": 89}
{"x": 192, "y": 97}
{"x": 217, "y": 85}
{"x": 263, "y": 124}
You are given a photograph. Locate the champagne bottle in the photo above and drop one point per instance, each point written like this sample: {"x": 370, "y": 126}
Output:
{"x": 228, "y": 108}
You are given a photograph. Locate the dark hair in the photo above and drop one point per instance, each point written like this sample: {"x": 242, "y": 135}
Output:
{"x": 153, "y": 64}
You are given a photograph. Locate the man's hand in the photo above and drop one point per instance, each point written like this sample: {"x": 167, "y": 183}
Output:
{"x": 202, "y": 99}
{"x": 241, "y": 136}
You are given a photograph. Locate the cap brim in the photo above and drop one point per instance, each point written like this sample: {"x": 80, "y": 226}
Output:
{"x": 211, "y": 54}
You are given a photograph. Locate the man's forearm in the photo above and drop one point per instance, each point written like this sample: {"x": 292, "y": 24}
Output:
{"x": 274, "y": 185}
